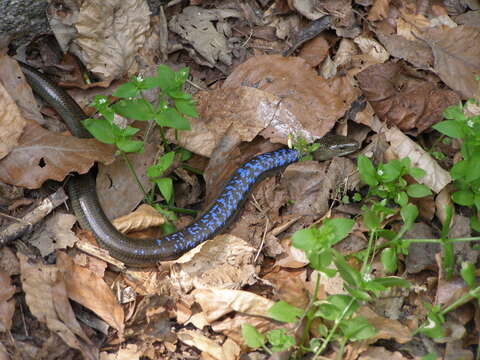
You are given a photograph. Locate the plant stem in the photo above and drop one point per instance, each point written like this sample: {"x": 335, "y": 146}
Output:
{"x": 306, "y": 329}
{"x": 267, "y": 349}
{"x": 180, "y": 210}
{"x": 192, "y": 169}
{"x": 369, "y": 249}
{"x": 474, "y": 238}
{"x": 137, "y": 180}
{"x": 332, "y": 330}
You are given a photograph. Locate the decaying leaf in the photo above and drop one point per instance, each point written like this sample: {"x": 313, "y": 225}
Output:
{"x": 55, "y": 233}
{"x": 46, "y": 297}
{"x": 43, "y": 155}
{"x": 457, "y": 57}
{"x": 401, "y": 97}
{"x": 11, "y": 123}
{"x": 142, "y": 218}
{"x": 386, "y": 328}
{"x": 372, "y": 48}
{"x": 437, "y": 178}
{"x": 195, "y": 25}
{"x": 88, "y": 289}
{"x": 413, "y": 51}
{"x": 225, "y": 262}
{"x": 379, "y": 10}
{"x": 105, "y": 35}
{"x": 196, "y": 339}
{"x": 315, "y": 51}
{"x": 7, "y": 303}
{"x": 315, "y": 102}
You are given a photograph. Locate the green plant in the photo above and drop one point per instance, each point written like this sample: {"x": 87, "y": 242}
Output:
{"x": 168, "y": 111}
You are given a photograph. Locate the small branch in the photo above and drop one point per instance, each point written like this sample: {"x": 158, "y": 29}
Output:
{"x": 14, "y": 231}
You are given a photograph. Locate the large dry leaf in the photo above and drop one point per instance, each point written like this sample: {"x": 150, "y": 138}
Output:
{"x": 46, "y": 297}
{"x": 88, "y": 289}
{"x": 401, "y": 97}
{"x": 55, "y": 233}
{"x": 413, "y": 51}
{"x": 402, "y": 146}
{"x": 313, "y": 101}
{"x": 43, "y": 155}
{"x": 142, "y": 218}
{"x": 7, "y": 303}
{"x": 196, "y": 339}
{"x": 457, "y": 57}
{"x": 107, "y": 35}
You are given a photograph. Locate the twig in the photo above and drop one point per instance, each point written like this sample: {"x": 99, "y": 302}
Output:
{"x": 14, "y": 231}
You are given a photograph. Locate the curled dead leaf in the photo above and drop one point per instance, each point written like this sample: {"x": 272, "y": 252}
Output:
{"x": 142, "y": 218}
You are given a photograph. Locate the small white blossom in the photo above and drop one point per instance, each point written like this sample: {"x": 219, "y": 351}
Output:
{"x": 470, "y": 123}
{"x": 139, "y": 78}
{"x": 367, "y": 277}
{"x": 380, "y": 172}
{"x": 102, "y": 101}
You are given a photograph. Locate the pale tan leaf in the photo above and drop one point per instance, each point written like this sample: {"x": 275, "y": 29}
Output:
{"x": 379, "y": 10}
{"x": 196, "y": 339}
{"x": 42, "y": 155}
{"x": 46, "y": 297}
{"x": 216, "y": 303}
{"x": 372, "y": 48}
{"x": 88, "y": 289}
{"x": 55, "y": 233}
{"x": 11, "y": 123}
{"x": 437, "y": 178}
{"x": 7, "y": 303}
{"x": 129, "y": 352}
{"x": 142, "y": 218}
{"x": 457, "y": 57}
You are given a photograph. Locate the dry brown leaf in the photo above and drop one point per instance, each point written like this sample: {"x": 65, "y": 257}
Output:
{"x": 314, "y": 51}
{"x": 223, "y": 262}
{"x": 7, "y": 303}
{"x": 216, "y": 303}
{"x": 88, "y": 289}
{"x": 380, "y": 353}
{"x": 379, "y": 10}
{"x": 313, "y": 101}
{"x": 129, "y": 352}
{"x": 457, "y": 57}
{"x": 43, "y": 155}
{"x": 373, "y": 48}
{"x": 402, "y": 146}
{"x": 110, "y": 33}
{"x": 402, "y": 98}
{"x": 196, "y": 339}
{"x": 55, "y": 233}
{"x": 46, "y": 297}
{"x": 142, "y": 218}
{"x": 290, "y": 287}
{"x": 387, "y": 328}
{"x": 413, "y": 51}
{"x": 12, "y": 123}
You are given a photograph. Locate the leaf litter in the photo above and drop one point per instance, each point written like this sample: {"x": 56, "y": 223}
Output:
{"x": 409, "y": 60}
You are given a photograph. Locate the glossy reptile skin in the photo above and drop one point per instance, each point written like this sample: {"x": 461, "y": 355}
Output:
{"x": 144, "y": 252}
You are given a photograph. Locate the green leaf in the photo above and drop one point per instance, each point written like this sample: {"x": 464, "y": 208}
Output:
{"x": 130, "y": 146}
{"x": 459, "y": 170}
{"x": 284, "y": 312}
{"x": 186, "y": 107}
{"x": 474, "y": 223}
{"x": 468, "y": 274}
{"x": 473, "y": 168}
{"x": 171, "y": 118}
{"x": 279, "y": 340}
{"x": 166, "y": 78}
{"x": 129, "y": 131}
{"x": 350, "y": 275}
{"x": 252, "y": 336}
{"x": 342, "y": 302}
{"x": 306, "y": 239}
{"x": 162, "y": 165}
{"x": 401, "y": 198}
{"x": 418, "y": 190}
{"x": 433, "y": 328}
{"x": 328, "y": 311}
{"x": 454, "y": 112}
{"x": 136, "y": 109}
{"x": 100, "y": 129}
{"x": 452, "y": 128}
{"x": 392, "y": 281}
{"x": 389, "y": 260}
{"x": 371, "y": 220}
{"x": 184, "y": 154}
{"x": 165, "y": 185}
{"x": 320, "y": 260}
{"x": 126, "y": 91}
{"x": 367, "y": 171}
{"x": 341, "y": 228}
{"x": 409, "y": 214}
{"x": 357, "y": 328}
{"x": 430, "y": 356}
{"x": 390, "y": 171}
{"x": 417, "y": 173}
{"x": 463, "y": 197}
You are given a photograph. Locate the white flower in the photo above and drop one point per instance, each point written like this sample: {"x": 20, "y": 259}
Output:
{"x": 102, "y": 101}
{"x": 470, "y": 123}
{"x": 139, "y": 78}
{"x": 380, "y": 172}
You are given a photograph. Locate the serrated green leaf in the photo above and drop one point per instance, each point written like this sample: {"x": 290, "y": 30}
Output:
{"x": 418, "y": 190}
{"x": 136, "y": 109}
{"x": 284, "y": 312}
{"x": 100, "y": 129}
{"x": 252, "y": 336}
{"x": 171, "y": 118}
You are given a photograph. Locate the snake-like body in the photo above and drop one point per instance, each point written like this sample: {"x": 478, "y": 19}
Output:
{"x": 143, "y": 252}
